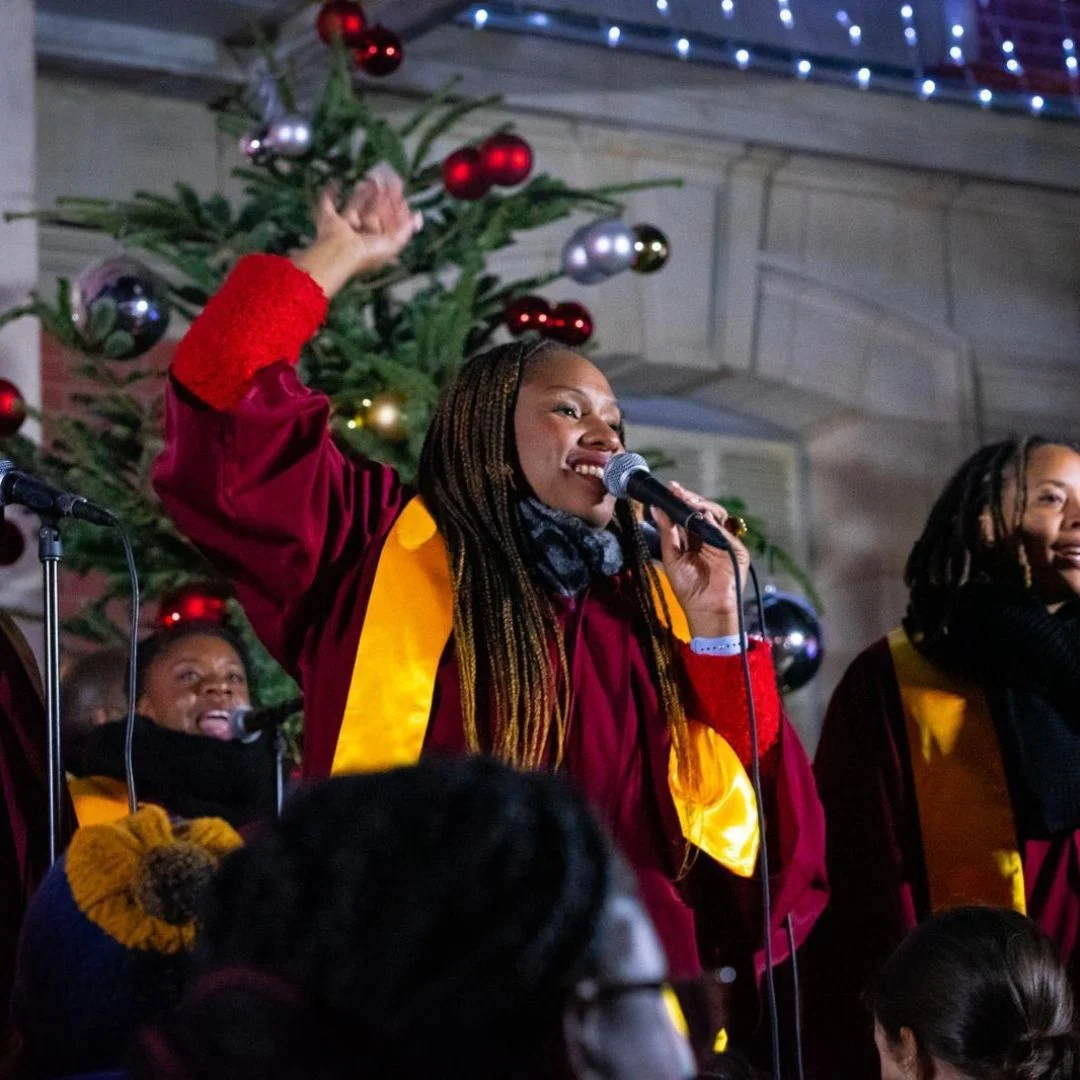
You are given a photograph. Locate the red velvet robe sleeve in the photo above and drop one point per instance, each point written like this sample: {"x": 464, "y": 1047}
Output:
{"x": 729, "y": 909}
{"x": 874, "y": 859}
{"x": 250, "y": 472}
{"x": 24, "y": 826}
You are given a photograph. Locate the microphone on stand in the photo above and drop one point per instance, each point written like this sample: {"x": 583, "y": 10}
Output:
{"x": 21, "y": 489}
{"x": 627, "y": 476}
{"x": 246, "y": 722}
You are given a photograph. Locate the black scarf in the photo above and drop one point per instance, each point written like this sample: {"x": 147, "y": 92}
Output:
{"x": 189, "y": 775}
{"x": 1028, "y": 663}
{"x": 568, "y": 552}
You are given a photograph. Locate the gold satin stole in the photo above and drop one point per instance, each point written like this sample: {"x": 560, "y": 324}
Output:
{"x": 406, "y": 627}
{"x": 965, "y": 812}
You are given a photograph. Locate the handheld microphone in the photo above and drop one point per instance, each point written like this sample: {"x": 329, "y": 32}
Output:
{"x": 20, "y": 489}
{"x": 627, "y": 476}
{"x": 246, "y": 722}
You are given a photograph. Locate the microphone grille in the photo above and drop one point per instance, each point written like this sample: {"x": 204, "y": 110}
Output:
{"x": 617, "y": 472}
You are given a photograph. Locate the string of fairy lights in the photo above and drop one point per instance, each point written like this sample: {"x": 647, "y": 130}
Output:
{"x": 965, "y": 77}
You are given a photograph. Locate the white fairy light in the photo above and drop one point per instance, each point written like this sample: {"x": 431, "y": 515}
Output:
{"x": 907, "y": 12}
{"x": 863, "y": 75}
{"x": 613, "y": 35}
{"x": 480, "y": 18}
{"x": 910, "y": 36}
{"x": 1071, "y": 63}
{"x": 957, "y": 31}
{"x": 742, "y": 58}
{"x": 683, "y": 45}
{"x": 662, "y": 6}
{"x": 842, "y": 18}
{"x": 985, "y": 97}
{"x": 927, "y": 88}
{"x": 728, "y": 8}
{"x": 787, "y": 18}
{"x": 1013, "y": 66}
{"x": 956, "y": 54}
{"x": 855, "y": 33}
{"x": 1037, "y": 103}
{"x": 804, "y": 67}
{"x": 1008, "y": 48}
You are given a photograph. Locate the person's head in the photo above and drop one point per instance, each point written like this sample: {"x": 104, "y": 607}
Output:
{"x": 975, "y": 994}
{"x": 1009, "y": 516}
{"x": 454, "y": 919}
{"x": 520, "y": 421}
{"x": 93, "y": 692}
{"x": 106, "y": 942}
{"x": 189, "y": 677}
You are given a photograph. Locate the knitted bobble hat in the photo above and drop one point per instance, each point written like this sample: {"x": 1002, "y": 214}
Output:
{"x": 105, "y": 943}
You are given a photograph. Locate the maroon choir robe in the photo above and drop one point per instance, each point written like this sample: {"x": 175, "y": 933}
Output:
{"x": 252, "y": 476}
{"x": 877, "y": 873}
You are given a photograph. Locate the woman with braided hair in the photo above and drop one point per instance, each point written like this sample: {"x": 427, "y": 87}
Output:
{"x": 508, "y": 608}
{"x": 949, "y": 763}
{"x": 451, "y": 919}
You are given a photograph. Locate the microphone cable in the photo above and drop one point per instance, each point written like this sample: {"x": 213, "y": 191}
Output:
{"x": 755, "y": 776}
{"x": 133, "y": 656}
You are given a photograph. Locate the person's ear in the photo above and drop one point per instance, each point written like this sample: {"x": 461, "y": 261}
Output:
{"x": 908, "y": 1055}
{"x": 582, "y": 1036}
{"x": 144, "y": 707}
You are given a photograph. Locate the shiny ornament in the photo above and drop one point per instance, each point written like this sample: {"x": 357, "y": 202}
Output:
{"x": 379, "y": 51}
{"x": 290, "y": 136}
{"x": 571, "y": 324}
{"x": 576, "y": 262}
{"x": 464, "y": 176}
{"x": 341, "y": 18}
{"x": 12, "y": 543}
{"x": 193, "y": 603}
{"x": 508, "y": 159}
{"x": 12, "y": 408}
{"x": 527, "y": 313}
{"x": 794, "y": 633}
{"x": 610, "y": 246}
{"x": 255, "y": 146}
{"x": 651, "y": 249}
{"x": 385, "y": 416}
{"x": 140, "y": 299}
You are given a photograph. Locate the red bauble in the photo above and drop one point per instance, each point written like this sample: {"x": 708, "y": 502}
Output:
{"x": 343, "y": 19}
{"x": 527, "y": 313}
{"x": 192, "y": 604}
{"x": 12, "y": 408}
{"x": 570, "y": 324}
{"x": 379, "y": 51}
{"x": 12, "y": 543}
{"x": 464, "y": 175}
{"x": 508, "y": 159}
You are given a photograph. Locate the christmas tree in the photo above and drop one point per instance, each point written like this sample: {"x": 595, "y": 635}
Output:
{"x": 388, "y": 345}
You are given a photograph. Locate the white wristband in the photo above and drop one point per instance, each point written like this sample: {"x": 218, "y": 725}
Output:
{"x": 724, "y": 645}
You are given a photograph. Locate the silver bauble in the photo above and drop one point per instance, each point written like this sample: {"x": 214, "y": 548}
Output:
{"x": 795, "y": 635}
{"x": 576, "y": 262}
{"x": 290, "y": 136}
{"x": 138, "y": 297}
{"x": 610, "y": 246}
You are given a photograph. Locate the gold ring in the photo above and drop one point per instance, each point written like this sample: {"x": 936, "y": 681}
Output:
{"x": 737, "y": 526}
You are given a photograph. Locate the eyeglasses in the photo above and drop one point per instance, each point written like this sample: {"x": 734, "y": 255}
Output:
{"x": 593, "y": 991}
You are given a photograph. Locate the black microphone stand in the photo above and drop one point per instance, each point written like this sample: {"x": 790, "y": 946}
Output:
{"x": 50, "y": 551}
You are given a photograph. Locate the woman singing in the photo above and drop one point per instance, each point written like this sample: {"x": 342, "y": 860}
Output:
{"x": 949, "y": 762}
{"x": 509, "y": 607}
